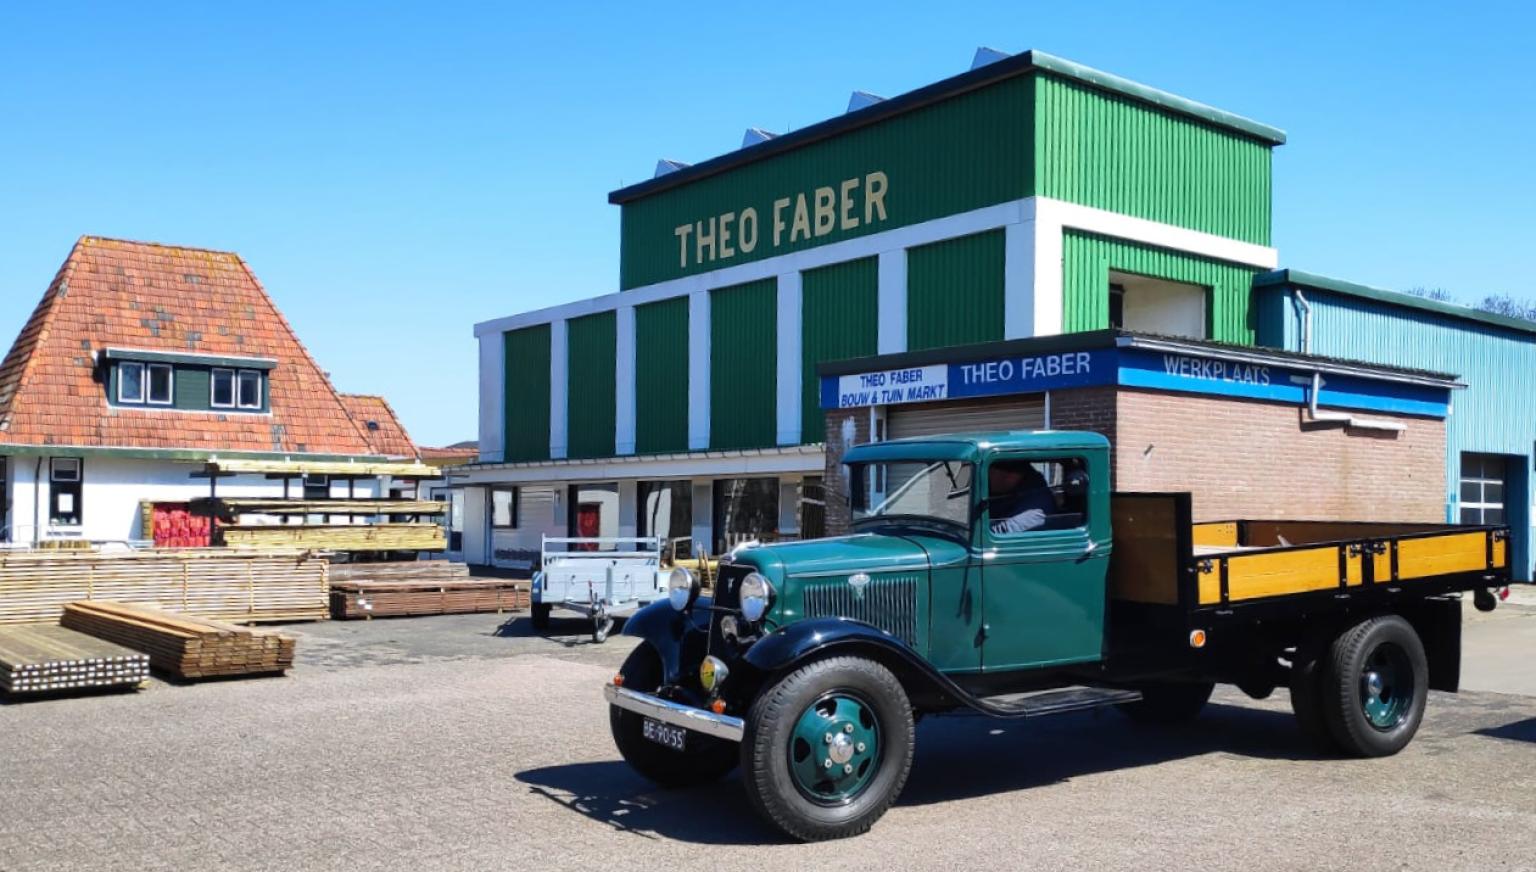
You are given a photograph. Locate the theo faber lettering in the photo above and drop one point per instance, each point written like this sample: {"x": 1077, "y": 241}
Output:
{"x": 1026, "y": 369}
{"x": 795, "y": 219}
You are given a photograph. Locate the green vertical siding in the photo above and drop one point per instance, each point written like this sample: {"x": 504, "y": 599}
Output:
{"x": 839, "y": 319}
{"x": 955, "y": 292}
{"x": 1088, "y": 259}
{"x": 589, "y": 404}
{"x": 1116, "y": 154}
{"x": 661, "y": 376}
{"x": 743, "y": 380}
{"x": 962, "y": 153}
{"x": 526, "y": 435}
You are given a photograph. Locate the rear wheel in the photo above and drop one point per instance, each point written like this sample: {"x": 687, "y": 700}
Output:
{"x": 828, "y": 748}
{"x": 1169, "y": 702}
{"x": 703, "y": 759}
{"x": 1376, "y": 686}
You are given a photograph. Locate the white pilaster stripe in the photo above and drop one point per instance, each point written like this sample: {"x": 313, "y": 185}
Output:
{"x": 558, "y": 377}
{"x": 1019, "y": 280}
{"x": 1046, "y": 268}
{"x": 788, "y": 371}
{"x": 698, "y": 370}
{"x": 493, "y": 393}
{"x": 891, "y": 326}
{"x": 624, "y": 381}
{"x": 1062, "y": 214}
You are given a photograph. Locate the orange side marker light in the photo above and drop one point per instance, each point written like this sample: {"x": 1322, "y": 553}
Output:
{"x": 718, "y": 706}
{"x": 1197, "y": 638}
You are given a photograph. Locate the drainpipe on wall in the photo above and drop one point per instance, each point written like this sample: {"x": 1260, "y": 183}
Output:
{"x": 37, "y": 503}
{"x": 1313, "y": 414}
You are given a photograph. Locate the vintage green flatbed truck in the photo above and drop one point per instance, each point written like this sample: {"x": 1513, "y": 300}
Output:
{"x": 996, "y": 573}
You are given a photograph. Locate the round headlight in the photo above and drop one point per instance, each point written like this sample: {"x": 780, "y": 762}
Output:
{"x": 756, "y": 595}
{"x": 682, "y": 588}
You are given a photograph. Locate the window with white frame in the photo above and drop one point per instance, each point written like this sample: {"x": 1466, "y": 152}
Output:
{"x": 159, "y": 384}
{"x": 222, "y": 389}
{"x": 130, "y": 382}
{"x": 248, "y": 389}
{"x": 1482, "y": 488}
{"x": 65, "y": 477}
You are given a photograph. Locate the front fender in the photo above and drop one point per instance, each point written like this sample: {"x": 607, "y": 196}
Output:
{"x": 665, "y": 628}
{"x": 786, "y": 648}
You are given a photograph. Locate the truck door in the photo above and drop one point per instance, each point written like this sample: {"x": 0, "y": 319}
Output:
{"x": 1044, "y": 556}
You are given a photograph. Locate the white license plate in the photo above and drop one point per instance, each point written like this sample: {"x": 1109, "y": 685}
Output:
{"x": 664, "y": 734}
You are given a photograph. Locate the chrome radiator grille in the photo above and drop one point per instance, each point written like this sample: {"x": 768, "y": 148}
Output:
{"x": 889, "y": 603}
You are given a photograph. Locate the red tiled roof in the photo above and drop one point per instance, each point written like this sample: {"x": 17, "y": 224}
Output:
{"x": 449, "y": 456}
{"x": 112, "y": 293}
{"x": 379, "y": 424}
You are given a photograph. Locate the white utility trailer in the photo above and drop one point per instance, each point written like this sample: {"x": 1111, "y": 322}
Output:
{"x": 601, "y": 578}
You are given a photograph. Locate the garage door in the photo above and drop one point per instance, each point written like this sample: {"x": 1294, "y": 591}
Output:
{"x": 934, "y": 419}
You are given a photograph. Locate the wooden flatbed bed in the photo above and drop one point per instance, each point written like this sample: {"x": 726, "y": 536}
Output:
{"x": 1215, "y": 568}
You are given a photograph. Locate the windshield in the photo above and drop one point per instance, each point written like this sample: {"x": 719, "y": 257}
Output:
{"x": 937, "y": 490}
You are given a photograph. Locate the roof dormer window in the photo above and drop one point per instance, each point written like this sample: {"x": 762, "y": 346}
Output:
{"x": 140, "y": 384}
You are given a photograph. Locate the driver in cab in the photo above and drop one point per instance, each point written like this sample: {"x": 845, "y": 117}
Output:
{"x": 1019, "y": 499}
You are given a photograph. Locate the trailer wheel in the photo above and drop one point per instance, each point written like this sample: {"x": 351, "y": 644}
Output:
{"x": 1307, "y": 688}
{"x": 828, "y": 748}
{"x": 1375, "y": 688}
{"x": 1168, "y": 702}
{"x": 704, "y": 759}
{"x": 540, "y": 614}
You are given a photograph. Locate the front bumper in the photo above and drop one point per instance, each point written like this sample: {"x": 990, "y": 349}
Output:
{"x": 675, "y": 713}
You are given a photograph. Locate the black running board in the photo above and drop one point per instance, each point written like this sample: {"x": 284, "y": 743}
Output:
{"x": 1052, "y": 702}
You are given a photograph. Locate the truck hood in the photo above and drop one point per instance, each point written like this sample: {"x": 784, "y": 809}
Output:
{"x": 863, "y": 552}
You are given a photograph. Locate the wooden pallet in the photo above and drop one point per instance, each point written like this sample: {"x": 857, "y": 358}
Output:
{"x": 337, "y": 537}
{"x": 400, "y": 570}
{"x": 181, "y": 645}
{"x": 226, "y": 584}
{"x": 378, "y": 599}
{"x": 45, "y": 657}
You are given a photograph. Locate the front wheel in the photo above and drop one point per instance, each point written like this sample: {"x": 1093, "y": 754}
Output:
{"x": 703, "y": 759}
{"x": 828, "y": 748}
{"x": 1375, "y": 687}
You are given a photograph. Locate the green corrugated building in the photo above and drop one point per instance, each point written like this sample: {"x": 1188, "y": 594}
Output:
{"x": 1029, "y": 196}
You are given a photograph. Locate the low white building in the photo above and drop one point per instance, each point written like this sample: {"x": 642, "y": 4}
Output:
{"x": 142, "y": 364}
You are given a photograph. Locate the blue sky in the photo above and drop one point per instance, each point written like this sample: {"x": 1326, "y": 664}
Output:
{"x": 396, "y": 173}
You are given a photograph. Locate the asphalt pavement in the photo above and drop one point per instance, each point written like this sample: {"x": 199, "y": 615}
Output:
{"x": 468, "y": 742}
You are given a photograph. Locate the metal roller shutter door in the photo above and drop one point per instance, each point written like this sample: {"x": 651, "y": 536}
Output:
{"x": 934, "y": 419}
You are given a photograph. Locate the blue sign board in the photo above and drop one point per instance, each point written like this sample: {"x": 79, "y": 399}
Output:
{"x": 1129, "y": 367}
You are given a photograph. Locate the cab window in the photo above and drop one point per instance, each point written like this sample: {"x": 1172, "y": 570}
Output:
{"x": 1024, "y": 496}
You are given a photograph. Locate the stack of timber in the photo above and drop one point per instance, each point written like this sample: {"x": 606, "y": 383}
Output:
{"x": 231, "y": 507}
{"x": 226, "y": 584}
{"x": 403, "y": 595}
{"x": 400, "y": 570}
{"x": 337, "y": 537}
{"x": 182, "y": 645}
{"x": 43, "y": 658}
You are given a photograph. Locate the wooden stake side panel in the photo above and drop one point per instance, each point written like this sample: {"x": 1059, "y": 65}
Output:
{"x": 1278, "y": 573}
{"x": 1216, "y": 533}
{"x": 1443, "y": 555}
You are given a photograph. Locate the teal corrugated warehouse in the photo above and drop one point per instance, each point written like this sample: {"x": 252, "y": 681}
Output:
{"x": 1491, "y": 432}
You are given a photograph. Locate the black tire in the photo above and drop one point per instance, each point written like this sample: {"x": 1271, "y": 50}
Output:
{"x": 540, "y": 614}
{"x": 1352, "y": 657}
{"x": 1167, "y": 703}
{"x": 1308, "y": 672}
{"x": 766, "y": 748}
{"x": 704, "y": 759}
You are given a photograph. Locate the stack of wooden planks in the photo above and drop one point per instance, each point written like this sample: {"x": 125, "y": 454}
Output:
{"x": 182, "y": 645}
{"x": 399, "y": 597}
{"x": 231, "y": 585}
{"x": 45, "y": 657}
{"x": 337, "y": 537}
{"x": 400, "y": 570}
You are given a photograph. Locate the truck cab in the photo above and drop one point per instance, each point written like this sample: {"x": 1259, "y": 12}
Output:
{"x": 998, "y": 573}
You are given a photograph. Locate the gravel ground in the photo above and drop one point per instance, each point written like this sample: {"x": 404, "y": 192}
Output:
{"x": 468, "y": 743}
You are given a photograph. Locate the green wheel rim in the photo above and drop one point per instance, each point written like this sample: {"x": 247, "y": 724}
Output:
{"x": 1386, "y": 687}
{"x": 834, "y": 750}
